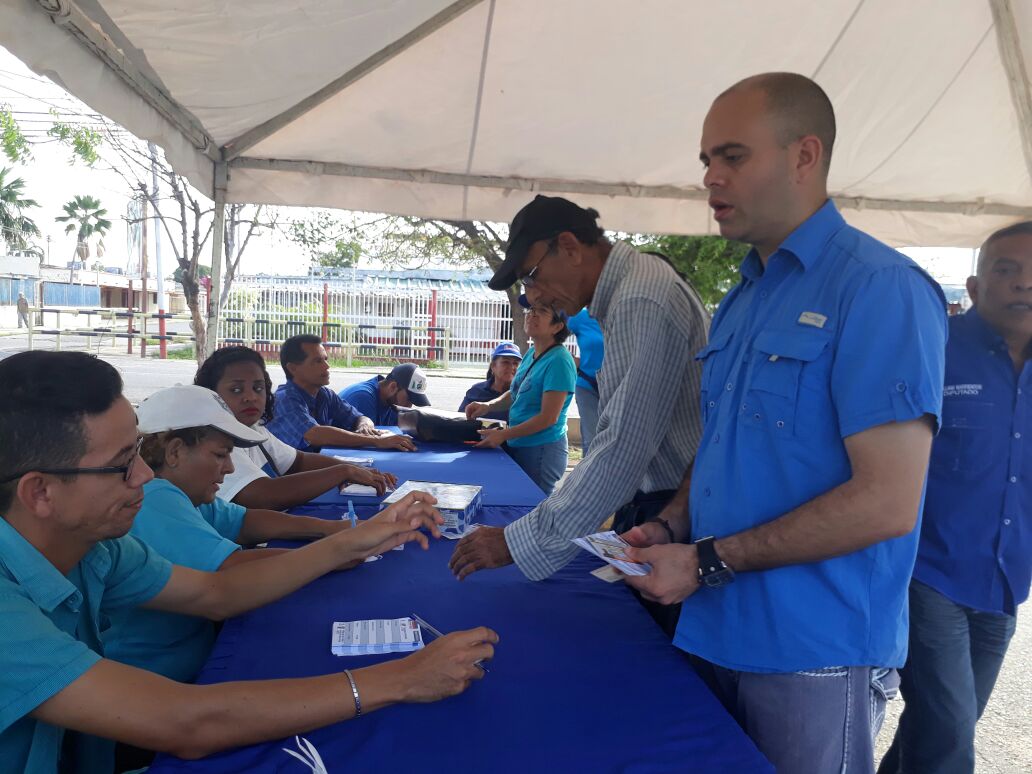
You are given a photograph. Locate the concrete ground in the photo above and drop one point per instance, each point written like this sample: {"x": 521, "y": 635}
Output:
{"x": 1004, "y": 740}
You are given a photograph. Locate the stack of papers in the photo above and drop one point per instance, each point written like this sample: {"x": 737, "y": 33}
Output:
{"x": 459, "y": 504}
{"x": 362, "y": 638}
{"x": 611, "y": 548}
{"x": 362, "y": 462}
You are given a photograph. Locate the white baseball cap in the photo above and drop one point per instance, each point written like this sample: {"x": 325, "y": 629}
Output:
{"x": 187, "y": 405}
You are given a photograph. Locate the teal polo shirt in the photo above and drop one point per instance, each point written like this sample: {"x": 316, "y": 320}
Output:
{"x": 555, "y": 371}
{"x": 201, "y": 538}
{"x": 51, "y": 635}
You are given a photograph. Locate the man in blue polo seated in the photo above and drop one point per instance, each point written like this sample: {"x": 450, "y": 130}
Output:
{"x": 309, "y": 415}
{"x": 379, "y": 398}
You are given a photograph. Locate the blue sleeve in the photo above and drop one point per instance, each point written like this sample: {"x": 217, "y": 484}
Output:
{"x": 343, "y": 413}
{"x": 170, "y": 524}
{"x": 560, "y": 374}
{"x": 292, "y": 420}
{"x": 137, "y": 573}
{"x": 226, "y": 517}
{"x": 40, "y": 660}
{"x": 890, "y": 361}
{"x": 358, "y": 398}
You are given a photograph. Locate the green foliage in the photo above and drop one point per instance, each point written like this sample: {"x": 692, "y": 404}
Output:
{"x": 85, "y": 216}
{"x": 185, "y": 353}
{"x": 82, "y": 140}
{"x": 710, "y": 263}
{"x": 14, "y": 143}
{"x": 202, "y": 271}
{"x": 17, "y": 227}
{"x": 321, "y": 234}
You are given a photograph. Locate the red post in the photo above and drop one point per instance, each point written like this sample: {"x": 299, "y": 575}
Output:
{"x": 325, "y": 308}
{"x": 163, "y": 345}
{"x": 433, "y": 324}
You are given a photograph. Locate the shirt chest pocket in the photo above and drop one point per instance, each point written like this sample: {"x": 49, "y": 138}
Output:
{"x": 964, "y": 446}
{"x": 786, "y": 376}
{"x": 712, "y": 384}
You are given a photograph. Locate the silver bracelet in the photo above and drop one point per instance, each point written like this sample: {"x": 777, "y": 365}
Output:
{"x": 354, "y": 692}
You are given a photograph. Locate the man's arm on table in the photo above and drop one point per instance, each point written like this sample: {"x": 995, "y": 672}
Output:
{"x": 879, "y": 502}
{"x": 325, "y": 435}
{"x": 147, "y": 710}
{"x": 632, "y": 426}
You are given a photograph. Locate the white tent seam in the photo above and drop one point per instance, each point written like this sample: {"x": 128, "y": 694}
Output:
{"x": 479, "y": 101}
{"x": 931, "y": 108}
{"x": 838, "y": 39}
{"x": 264, "y": 130}
{"x": 1017, "y": 73}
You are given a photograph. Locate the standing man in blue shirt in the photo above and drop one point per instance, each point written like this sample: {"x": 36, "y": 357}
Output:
{"x": 821, "y": 391}
{"x": 591, "y": 349}
{"x": 378, "y": 398}
{"x": 309, "y": 415}
{"x": 974, "y": 559}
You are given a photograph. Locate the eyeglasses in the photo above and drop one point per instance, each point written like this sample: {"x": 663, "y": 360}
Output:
{"x": 126, "y": 470}
{"x": 528, "y": 278}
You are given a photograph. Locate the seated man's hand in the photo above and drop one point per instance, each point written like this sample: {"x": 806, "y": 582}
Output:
{"x": 366, "y": 427}
{"x": 674, "y": 576}
{"x": 381, "y": 482}
{"x": 483, "y": 550}
{"x": 393, "y": 442}
{"x": 475, "y": 410}
{"x": 447, "y": 666}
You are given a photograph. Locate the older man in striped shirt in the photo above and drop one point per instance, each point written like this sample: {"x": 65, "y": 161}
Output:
{"x": 649, "y": 424}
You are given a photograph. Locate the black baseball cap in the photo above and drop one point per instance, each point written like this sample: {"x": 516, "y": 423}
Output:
{"x": 543, "y": 218}
{"x": 410, "y": 377}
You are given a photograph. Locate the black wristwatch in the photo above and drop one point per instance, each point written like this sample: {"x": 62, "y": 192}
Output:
{"x": 713, "y": 572}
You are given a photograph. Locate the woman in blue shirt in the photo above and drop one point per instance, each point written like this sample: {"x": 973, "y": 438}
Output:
{"x": 537, "y": 400}
{"x": 505, "y": 360}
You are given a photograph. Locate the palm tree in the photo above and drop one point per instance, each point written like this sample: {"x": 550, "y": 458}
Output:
{"x": 16, "y": 225}
{"x": 84, "y": 213}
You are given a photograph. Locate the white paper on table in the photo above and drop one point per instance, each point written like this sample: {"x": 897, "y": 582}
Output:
{"x": 357, "y": 638}
{"x": 359, "y": 490}
{"x": 612, "y": 549}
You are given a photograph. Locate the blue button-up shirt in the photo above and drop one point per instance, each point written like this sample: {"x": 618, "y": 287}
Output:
{"x": 590, "y": 347}
{"x": 50, "y": 637}
{"x": 297, "y": 412}
{"x": 976, "y": 535}
{"x": 364, "y": 397}
{"x": 837, "y": 335}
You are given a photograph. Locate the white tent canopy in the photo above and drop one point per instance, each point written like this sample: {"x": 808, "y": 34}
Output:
{"x": 464, "y": 109}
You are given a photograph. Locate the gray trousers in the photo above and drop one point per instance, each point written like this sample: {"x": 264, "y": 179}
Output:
{"x": 816, "y": 722}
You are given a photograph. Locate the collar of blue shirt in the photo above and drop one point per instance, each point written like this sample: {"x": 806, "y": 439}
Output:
{"x": 43, "y": 582}
{"x": 308, "y": 398}
{"x": 806, "y": 243}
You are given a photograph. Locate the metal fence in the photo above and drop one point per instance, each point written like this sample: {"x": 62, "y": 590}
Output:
{"x": 379, "y": 319}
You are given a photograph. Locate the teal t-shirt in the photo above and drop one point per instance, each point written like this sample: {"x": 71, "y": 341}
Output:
{"x": 554, "y": 372}
{"x": 201, "y": 538}
{"x": 51, "y": 636}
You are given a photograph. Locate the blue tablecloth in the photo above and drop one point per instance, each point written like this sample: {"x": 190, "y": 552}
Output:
{"x": 582, "y": 679}
{"x": 504, "y": 482}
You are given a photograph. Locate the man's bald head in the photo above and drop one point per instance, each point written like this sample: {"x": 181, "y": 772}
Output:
{"x": 799, "y": 106}
{"x": 1022, "y": 228}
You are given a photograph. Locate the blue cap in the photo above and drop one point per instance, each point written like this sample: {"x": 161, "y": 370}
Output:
{"x": 527, "y": 305}
{"x": 507, "y": 349}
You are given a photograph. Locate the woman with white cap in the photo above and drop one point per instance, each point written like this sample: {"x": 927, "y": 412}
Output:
{"x": 505, "y": 360}
{"x": 188, "y": 434}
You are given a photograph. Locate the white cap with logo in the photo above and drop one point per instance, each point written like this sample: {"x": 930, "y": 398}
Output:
{"x": 187, "y": 405}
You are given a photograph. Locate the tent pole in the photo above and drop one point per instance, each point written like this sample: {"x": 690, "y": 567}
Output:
{"x": 211, "y": 340}
{"x": 1017, "y": 72}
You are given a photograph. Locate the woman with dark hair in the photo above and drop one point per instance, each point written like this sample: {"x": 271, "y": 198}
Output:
{"x": 537, "y": 400}
{"x": 271, "y": 474}
{"x": 505, "y": 360}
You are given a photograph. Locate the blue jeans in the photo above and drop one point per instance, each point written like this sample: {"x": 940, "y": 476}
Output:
{"x": 955, "y": 656}
{"x": 822, "y": 721}
{"x": 587, "y": 407}
{"x": 545, "y": 464}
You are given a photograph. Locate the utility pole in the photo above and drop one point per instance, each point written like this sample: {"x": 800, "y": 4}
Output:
{"x": 162, "y": 300}
{"x": 143, "y": 269}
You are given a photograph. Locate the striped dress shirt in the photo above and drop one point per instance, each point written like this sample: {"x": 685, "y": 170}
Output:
{"x": 649, "y": 415}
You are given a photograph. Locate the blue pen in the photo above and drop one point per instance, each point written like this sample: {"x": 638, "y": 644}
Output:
{"x": 351, "y": 514}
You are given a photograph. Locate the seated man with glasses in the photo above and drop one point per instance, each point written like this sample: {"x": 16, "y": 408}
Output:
{"x": 71, "y": 482}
